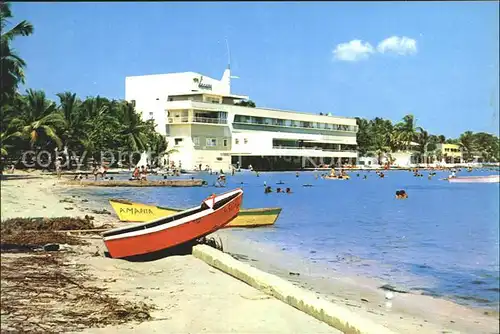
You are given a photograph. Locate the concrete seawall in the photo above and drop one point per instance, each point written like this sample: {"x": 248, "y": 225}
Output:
{"x": 335, "y": 316}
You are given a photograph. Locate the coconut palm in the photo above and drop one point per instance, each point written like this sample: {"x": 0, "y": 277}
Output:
{"x": 134, "y": 129}
{"x": 406, "y": 130}
{"x": 423, "y": 140}
{"x": 466, "y": 141}
{"x": 40, "y": 119}
{"x": 363, "y": 136}
{"x": 11, "y": 65}
{"x": 70, "y": 107}
{"x": 5, "y": 139}
{"x": 438, "y": 154}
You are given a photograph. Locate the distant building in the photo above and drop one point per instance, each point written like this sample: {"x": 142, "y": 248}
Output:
{"x": 201, "y": 119}
{"x": 452, "y": 153}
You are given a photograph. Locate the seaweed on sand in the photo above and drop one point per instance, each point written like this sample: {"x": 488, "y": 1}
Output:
{"x": 212, "y": 242}
{"x": 25, "y": 234}
{"x": 41, "y": 293}
{"x": 48, "y": 224}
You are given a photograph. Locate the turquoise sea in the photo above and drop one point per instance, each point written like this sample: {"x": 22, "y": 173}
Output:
{"x": 443, "y": 240}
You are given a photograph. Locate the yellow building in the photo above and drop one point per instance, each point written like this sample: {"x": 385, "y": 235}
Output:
{"x": 452, "y": 153}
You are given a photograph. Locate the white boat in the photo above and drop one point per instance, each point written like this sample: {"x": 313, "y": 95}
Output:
{"x": 476, "y": 179}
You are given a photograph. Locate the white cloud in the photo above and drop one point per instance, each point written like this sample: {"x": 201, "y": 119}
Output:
{"x": 399, "y": 45}
{"x": 353, "y": 51}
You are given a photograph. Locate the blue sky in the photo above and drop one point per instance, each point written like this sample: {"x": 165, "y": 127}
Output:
{"x": 437, "y": 60}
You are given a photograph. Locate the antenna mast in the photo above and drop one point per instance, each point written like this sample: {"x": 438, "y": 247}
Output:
{"x": 228, "y": 55}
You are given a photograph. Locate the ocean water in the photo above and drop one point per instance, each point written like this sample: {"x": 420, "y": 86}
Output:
{"x": 443, "y": 240}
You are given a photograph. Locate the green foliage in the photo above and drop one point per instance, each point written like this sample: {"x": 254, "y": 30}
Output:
{"x": 379, "y": 137}
{"x": 11, "y": 65}
{"x": 93, "y": 125}
{"x": 245, "y": 103}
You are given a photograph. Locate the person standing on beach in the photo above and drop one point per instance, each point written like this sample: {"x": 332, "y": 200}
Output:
{"x": 95, "y": 171}
{"x": 58, "y": 167}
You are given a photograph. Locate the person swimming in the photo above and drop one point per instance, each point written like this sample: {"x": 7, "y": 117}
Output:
{"x": 297, "y": 174}
{"x": 268, "y": 190}
{"x": 401, "y": 194}
{"x": 288, "y": 190}
{"x": 278, "y": 190}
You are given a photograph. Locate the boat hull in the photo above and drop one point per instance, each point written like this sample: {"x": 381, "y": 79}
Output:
{"x": 168, "y": 232}
{"x": 476, "y": 179}
{"x": 138, "y": 212}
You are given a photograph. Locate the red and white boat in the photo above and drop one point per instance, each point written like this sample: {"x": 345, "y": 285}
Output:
{"x": 475, "y": 179}
{"x": 166, "y": 232}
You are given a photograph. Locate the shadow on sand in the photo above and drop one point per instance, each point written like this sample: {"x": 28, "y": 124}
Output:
{"x": 184, "y": 249}
{"x": 18, "y": 177}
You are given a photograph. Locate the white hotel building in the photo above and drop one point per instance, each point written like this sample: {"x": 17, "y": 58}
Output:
{"x": 200, "y": 119}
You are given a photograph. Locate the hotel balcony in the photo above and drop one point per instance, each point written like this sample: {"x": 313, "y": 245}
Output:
{"x": 312, "y": 149}
{"x": 203, "y": 120}
{"x": 293, "y": 126}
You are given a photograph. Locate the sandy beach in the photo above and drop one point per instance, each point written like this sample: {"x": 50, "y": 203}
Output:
{"x": 188, "y": 295}
{"x": 191, "y": 297}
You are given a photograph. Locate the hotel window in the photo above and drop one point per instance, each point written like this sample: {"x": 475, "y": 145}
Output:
{"x": 224, "y": 142}
{"x": 177, "y": 141}
{"x": 133, "y": 103}
{"x": 212, "y": 142}
{"x": 236, "y": 141}
{"x": 150, "y": 114}
{"x": 245, "y": 141}
{"x": 196, "y": 141}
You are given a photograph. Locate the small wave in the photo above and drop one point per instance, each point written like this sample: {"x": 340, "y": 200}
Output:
{"x": 474, "y": 299}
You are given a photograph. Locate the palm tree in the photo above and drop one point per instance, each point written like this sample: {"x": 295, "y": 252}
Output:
{"x": 11, "y": 65}
{"x": 363, "y": 136}
{"x": 466, "y": 141}
{"x": 41, "y": 119}
{"x": 70, "y": 107}
{"x": 406, "y": 130}
{"x": 438, "y": 154}
{"x": 101, "y": 125}
{"x": 134, "y": 129}
{"x": 441, "y": 139}
{"x": 423, "y": 139}
{"x": 5, "y": 138}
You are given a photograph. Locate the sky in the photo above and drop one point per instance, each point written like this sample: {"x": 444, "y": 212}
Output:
{"x": 436, "y": 60}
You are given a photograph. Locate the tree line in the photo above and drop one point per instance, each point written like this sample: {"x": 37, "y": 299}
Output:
{"x": 92, "y": 125}
{"x": 378, "y": 137}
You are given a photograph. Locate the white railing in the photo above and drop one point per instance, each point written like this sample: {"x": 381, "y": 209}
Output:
{"x": 205, "y": 120}
{"x": 173, "y": 120}
{"x": 353, "y": 130}
{"x": 311, "y": 148}
{"x": 209, "y": 120}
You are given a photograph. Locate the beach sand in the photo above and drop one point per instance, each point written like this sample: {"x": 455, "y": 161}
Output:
{"x": 406, "y": 312}
{"x": 189, "y": 295}
{"x": 193, "y": 297}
